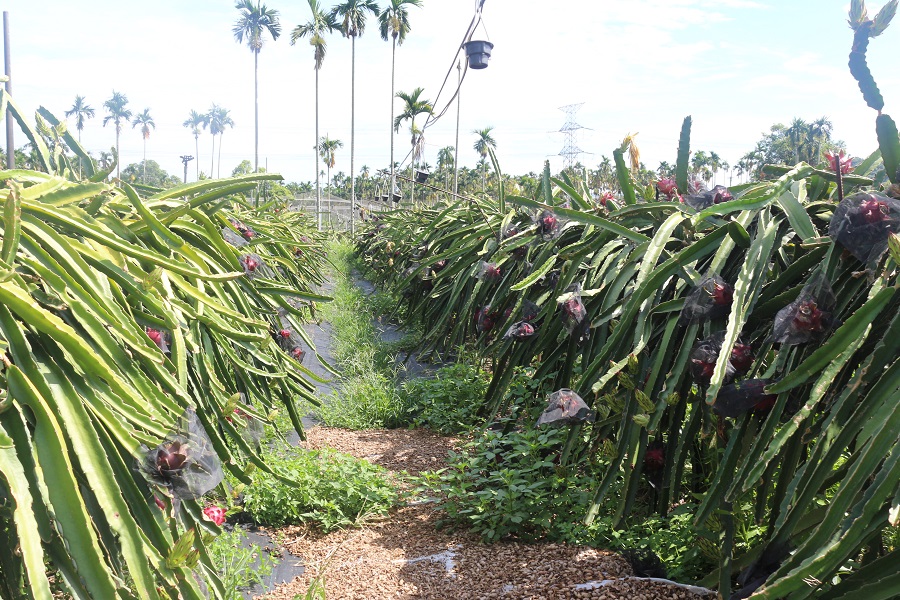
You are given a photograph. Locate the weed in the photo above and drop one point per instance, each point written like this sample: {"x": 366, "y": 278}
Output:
{"x": 331, "y": 489}
{"x": 239, "y": 567}
{"x": 367, "y": 397}
{"x": 450, "y": 401}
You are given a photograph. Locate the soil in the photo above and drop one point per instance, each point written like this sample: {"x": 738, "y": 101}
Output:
{"x": 405, "y": 556}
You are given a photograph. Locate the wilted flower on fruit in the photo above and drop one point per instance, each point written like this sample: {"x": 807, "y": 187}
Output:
{"x": 573, "y": 311}
{"x": 158, "y": 337}
{"x": 551, "y": 279}
{"x": 606, "y": 197}
{"x": 298, "y": 353}
{"x": 705, "y": 199}
{"x": 439, "y": 265}
{"x": 509, "y": 231}
{"x": 287, "y": 339}
{"x": 548, "y": 225}
{"x": 839, "y": 161}
{"x": 489, "y": 271}
{"x": 667, "y": 187}
{"x": 862, "y": 224}
{"x": 807, "y": 316}
{"x": 519, "y": 331}
{"x": 738, "y": 398}
{"x": 741, "y": 358}
{"x": 696, "y": 185}
{"x": 706, "y": 352}
{"x": 216, "y": 514}
{"x": 530, "y": 310}
{"x": 484, "y": 319}
{"x": 654, "y": 462}
{"x": 185, "y": 462}
{"x": 251, "y": 263}
{"x": 654, "y": 457}
{"x": 710, "y": 299}
{"x": 565, "y": 406}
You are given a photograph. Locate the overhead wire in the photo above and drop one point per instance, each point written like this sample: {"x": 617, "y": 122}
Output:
{"x": 432, "y": 117}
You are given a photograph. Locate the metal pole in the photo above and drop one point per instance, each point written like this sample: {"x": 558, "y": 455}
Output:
{"x": 186, "y": 159}
{"x": 10, "y": 143}
{"x": 456, "y": 150}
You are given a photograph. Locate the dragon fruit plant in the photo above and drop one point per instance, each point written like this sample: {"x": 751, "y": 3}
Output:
{"x": 127, "y": 326}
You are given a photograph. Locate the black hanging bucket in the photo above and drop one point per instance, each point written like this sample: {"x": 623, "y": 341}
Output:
{"x": 396, "y": 197}
{"x": 384, "y": 198}
{"x": 479, "y": 53}
{"x": 422, "y": 176}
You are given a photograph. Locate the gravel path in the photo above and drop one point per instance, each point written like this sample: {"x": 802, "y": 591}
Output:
{"x": 404, "y": 556}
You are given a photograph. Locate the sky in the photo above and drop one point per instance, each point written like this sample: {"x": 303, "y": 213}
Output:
{"x": 638, "y": 66}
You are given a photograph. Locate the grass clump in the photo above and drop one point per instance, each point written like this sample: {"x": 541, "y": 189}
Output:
{"x": 330, "y": 489}
{"x": 367, "y": 396}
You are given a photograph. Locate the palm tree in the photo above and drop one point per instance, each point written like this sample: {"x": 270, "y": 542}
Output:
{"x": 104, "y": 160}
{"x": 81, "y": 111}
{"x": 364, "y": 176}
{"x": 819, "y": 133}
{"x": 483, "y": 145}
{"x": 353, "y": 24}
{"x": 715, "y": 163}
{"x": 394, "y": 24}
{"x": 115, "y": 106}
{"x": 218, "y": 121}
{"x": 413, "y": 106}
{"x": 327, "y": 150}
{"x": 195, "y": 122}
{"x": 255, "y": 20}
{"x": 146, "y": 122}
{"x": 796, "y": 134}
{"x": 316, "y": 28}
{"x": 445, "y": 163}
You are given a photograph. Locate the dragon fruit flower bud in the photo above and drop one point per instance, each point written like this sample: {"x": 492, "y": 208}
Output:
{"x": 839, "y": 161}
{"x": 667, "y": 187}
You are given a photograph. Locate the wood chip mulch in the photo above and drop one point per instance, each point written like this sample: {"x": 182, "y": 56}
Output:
{"x": 404, "y": 556}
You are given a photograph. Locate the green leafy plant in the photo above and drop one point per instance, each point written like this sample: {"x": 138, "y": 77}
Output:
{"x": 449, "y": 401}
{"x": 510, "y": 485}
{"x": 324, "y": 487}
{"x": 239, "y": 567}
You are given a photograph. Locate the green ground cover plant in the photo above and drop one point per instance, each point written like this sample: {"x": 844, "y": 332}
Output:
{"x": 239, "y": 567}
{"x": 324, "y": 487}
{"x": 449, "y": 401}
